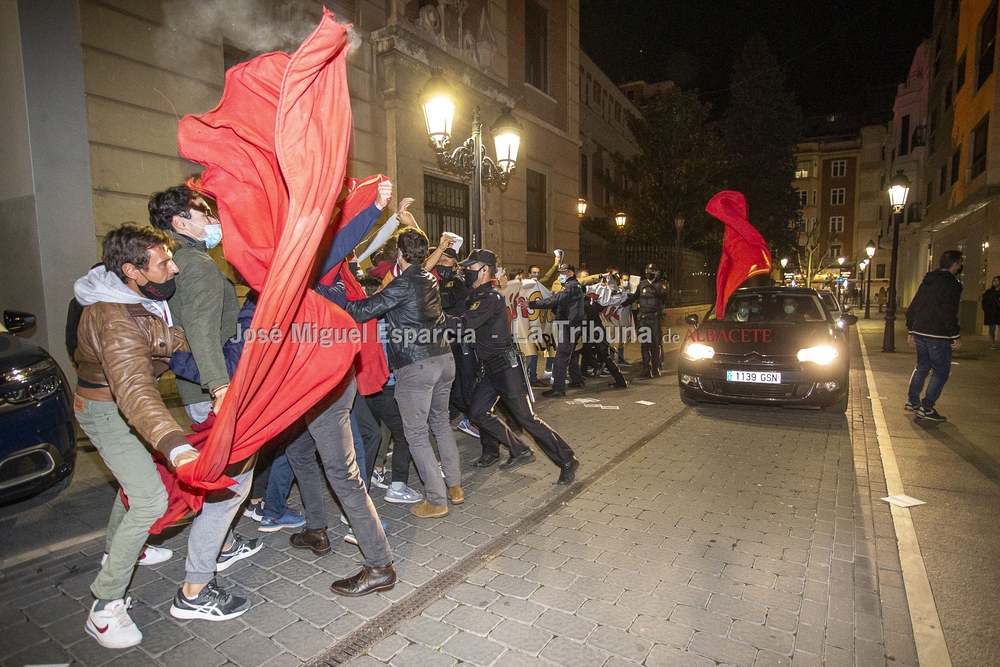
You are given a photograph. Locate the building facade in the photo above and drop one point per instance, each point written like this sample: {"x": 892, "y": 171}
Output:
{"x": 92, "y": 92}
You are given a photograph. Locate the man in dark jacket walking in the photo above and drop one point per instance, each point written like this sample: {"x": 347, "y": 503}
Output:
{"x": 568, "y": 304}
{"x": 991, "y": 310}
{"x": 932, "y": 320}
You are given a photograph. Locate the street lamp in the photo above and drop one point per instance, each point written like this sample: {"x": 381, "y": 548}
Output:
{"x": 899, "y": 188}
{"x": 784, "y": 265}
{"x": 870, "y": 251}
{"x": 438, "y": 101}
{"x": 620, "y": 220}
{"x": 581, "y": 207}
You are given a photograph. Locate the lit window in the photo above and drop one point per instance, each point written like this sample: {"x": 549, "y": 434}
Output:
{"x": 802, "y": 170}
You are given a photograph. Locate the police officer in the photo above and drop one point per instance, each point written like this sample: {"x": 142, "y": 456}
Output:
{"x": 501, "y": 376}
{"x": 651, "y": 294}
{"x": 453, "y": 292}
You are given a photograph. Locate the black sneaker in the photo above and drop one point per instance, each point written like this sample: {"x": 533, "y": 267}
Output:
{"x": 242, "y": 548}
{"x": 553, "y": 392}
{"x": 930, "y": 415}
{"x": 911, "y": 407}
{"x": 527, "y": 456}
{"x": 212, "y": 604}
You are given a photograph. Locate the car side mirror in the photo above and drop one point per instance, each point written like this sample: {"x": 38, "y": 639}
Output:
{"x": 691, "y": 319}
{"x": 18, "y": 322}
{"x": 849, "y": 320}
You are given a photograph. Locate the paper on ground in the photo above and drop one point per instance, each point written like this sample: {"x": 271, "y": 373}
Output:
{"x": 645, "y": 403}
{"x": 608, "y": 407}
{"x": 593, "y": 405}
{"x": 903, "y": 500}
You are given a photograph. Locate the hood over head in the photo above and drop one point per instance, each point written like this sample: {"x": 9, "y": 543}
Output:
{"x": 101, "y": 285}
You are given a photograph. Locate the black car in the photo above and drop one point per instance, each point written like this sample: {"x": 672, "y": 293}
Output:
{"x": 37, "y": 434}
{"x": 774, "y": 346}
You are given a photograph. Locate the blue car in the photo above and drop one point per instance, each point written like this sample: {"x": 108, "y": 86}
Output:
{"x": 37, "y": 434}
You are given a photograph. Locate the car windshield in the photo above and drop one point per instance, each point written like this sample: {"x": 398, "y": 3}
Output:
{"x": 774, "y": 307}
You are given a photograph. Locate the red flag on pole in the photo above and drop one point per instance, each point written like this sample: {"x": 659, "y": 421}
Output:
{"x": 275, "y": 155}
{"x": 744, "y": 251}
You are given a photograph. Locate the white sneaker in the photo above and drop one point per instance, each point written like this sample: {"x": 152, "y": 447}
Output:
{"x": 150, "y": 556}
{"x": 378, "y": 479}
{"x": 111, "y": 626}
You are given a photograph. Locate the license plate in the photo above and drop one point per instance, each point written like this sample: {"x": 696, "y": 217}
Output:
{"x": 753, "y": 376}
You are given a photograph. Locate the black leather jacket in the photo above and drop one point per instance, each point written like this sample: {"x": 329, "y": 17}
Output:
{"x": 567, "y": 302}
{"x": 412, "y": 310}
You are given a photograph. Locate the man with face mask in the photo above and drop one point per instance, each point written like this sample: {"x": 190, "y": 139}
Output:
{"x": 453, "y": 289}
{"x": 501, "y": 377}
{"x": 126, "y": 336}
{"x": 932, "y": 320}
{"x": 651, "y": 294}
{"x": 568, "y": 304}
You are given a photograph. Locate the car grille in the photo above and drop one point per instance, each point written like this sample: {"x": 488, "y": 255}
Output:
{"x": 784, "y": 363}
{"x": 25, "y": 466}
{"x": 748, "y": 390}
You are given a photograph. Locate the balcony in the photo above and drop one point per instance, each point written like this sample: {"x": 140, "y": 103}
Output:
{"x": 919, "y": 136}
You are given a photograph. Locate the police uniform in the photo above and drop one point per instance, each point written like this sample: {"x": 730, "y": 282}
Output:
{"x": 501, "y": 377}
{"x": 651, "y": 296}
{"x": 453, "y": 293}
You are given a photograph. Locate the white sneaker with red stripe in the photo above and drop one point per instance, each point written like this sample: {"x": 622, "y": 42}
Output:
{"x": 110, "y": 624}
{"x": 150, "y": 556}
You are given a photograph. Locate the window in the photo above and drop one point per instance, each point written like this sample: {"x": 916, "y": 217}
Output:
{"x": 930, "y": 192}
{"x": 960, "y": 73}
{"x": 815, "y": 193}
{"x": 934, "y": 120}
{"x": 446, "y": 207}
{"x": 913, "y": 212}
{"x": 839, "y": 168}
{"x": 979, "y": 141}
{"x": 607, "y": 193}
{"x": 836, "y": 224}
{"x": 536, "y": 45}
{"x": 954, "y": 7}
{"x": 937, "y": 55}
{"x": 986, "y": 47}
{"x": 880, "y": 271}
{"x": 802, "y": 170}
{"x": 803, "y": 197}
{"x": 537, "y": 196}
{"x": 837, "y": 196}
{"x": 947, "y": 96}
{"x": 584, "y": 173}
{"x": 943, "y": 184}
{"x": 919, "y": 137}
{"x": 904, "y": 135}
{"x": 835, "y": 251}
{"x": 802, "y": 226}
{"x": 956, "y": 164}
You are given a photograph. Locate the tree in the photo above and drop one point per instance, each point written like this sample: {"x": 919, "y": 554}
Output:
{"x": 761, "y": 128}
{"x": 678, "y": 169}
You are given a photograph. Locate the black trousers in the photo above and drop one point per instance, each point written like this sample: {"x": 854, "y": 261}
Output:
{"x": 465, "y": 381}
{"x": 604, "y": 356}
{"x": 568, "y": 336}
{"x": 509, "y": 388}
{"x": 384, "y": 408}
{"x": 652, "y": 352}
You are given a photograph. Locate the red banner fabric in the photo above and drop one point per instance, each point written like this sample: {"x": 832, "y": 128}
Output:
{"x": 275, "y": 155}
{"x": 744, "y": 251}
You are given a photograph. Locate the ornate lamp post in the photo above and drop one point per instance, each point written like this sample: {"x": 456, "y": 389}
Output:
{"x": 438, "y": 102}
{"x": 899, "y": 188}
{"x": 870, "y": 251}
{"x": 581, "y": 207}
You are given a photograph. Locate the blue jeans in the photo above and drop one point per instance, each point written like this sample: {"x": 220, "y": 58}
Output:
{"x": 933, "y": 354}
{"x": 993, "y": 334}
{"x": 532, "y": 360}
{"x": 278, "y": 485}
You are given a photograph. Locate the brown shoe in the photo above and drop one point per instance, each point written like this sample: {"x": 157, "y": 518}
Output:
{"x": 368, "y": 580}
{"x": 317, "y": 540}
{"x": 456, "y": 495}
{"x": 427, "y": 511}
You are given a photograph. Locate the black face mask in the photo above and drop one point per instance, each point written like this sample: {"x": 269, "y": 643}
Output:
{"x": 650, "y": 275}
{"x": 444, "y": 271}
{"x": 157, "y": 291}
{"x": 470, "y": 278}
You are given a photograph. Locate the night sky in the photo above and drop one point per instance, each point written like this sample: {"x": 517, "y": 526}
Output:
{"x": 842, "y": 56}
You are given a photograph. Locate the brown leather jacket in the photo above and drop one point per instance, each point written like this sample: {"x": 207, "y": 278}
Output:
{"x": 126, "y": 348}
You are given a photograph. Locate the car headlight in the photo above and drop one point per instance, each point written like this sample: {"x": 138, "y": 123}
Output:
{"x": 24, "y": 373}
{"x": 697, "y": 352}
{"x": 821, "y": 354}
{"x": 29, "y": 386}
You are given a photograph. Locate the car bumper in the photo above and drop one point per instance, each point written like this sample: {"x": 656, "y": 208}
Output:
{"x": 806, "y": 388}
{"x": 33, "y": 459}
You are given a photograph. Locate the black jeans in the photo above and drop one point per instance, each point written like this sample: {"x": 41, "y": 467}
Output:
{"x": 384, "y": 408}
{"x": 326, "y": 429}
{"x": 371, "y": 435}
{"x": 465, "y": 382}
{"x": 568, "y": 335}
{"x": 509, "y": 387}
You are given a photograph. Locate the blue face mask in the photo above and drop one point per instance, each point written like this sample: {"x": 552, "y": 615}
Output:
{"x": 562, "y": 280}
{"x": 789, "y": 310}
{"x": 213, "y": 235}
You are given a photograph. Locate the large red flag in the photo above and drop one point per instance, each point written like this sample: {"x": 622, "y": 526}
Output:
{"x": 275, "y": 154}
{"x": 744, "y": 251}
